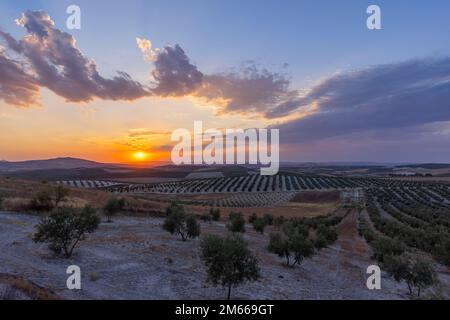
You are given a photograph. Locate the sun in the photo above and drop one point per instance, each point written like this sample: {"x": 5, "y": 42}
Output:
{"x": 140, "y": 155}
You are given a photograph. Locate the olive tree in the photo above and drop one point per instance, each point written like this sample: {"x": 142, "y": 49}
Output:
{"x": 64, "y": 228}
{"x": 415, "y": 271}
{"x": 229, "y": 261}
{"x": 291, "y": 243}
{"x": 237, "y": 222}
{"x": 177, "y": 222}
{"x": 113, "y": 206}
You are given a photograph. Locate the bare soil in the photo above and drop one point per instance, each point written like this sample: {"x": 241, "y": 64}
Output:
{"x": 133, "y": 258}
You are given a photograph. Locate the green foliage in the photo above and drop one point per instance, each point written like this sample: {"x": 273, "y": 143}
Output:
{"x": 65, "y": 228}
{"x": 291, "y": 243}
{"x": 384, "y": 246}
{"x": 259, "y": 224}
{"x": 415, "y": 271}
{"x": 268, "y": 219}
{"x": 178, "y": 222}
{"x": 252, "y": 218}
{"x": 237, "y": 222}
{"x": 325, "y": 236}
{"x": 229, "y": 261}
{"x": 113, "y": 206}
{"x": 278, "y": 221}
{"x": 206, "y": 217}
{"x": 215, "y": 214}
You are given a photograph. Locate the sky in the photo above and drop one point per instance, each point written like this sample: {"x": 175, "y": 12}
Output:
{"x": 137, "y": 70}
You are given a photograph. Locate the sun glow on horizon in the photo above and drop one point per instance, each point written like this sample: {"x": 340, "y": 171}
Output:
{"x": 140, "y": 156}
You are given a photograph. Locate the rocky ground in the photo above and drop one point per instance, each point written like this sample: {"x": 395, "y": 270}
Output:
{"x": 133, "y": 258}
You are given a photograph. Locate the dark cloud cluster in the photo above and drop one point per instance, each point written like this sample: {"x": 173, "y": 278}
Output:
{"x": 49, "y": 57}
{"x": 174, "y": 74}
{"x": 249, "y": 90}
{"x": 407, "y": 94}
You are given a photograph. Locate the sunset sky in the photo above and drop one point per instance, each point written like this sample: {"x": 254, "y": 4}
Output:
{"x": 137, "y": 70}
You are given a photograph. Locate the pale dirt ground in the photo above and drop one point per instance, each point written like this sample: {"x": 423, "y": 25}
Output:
{"x": 129, "y": 259}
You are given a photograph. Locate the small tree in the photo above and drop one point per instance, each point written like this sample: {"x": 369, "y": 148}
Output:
{"x": 65, "y": 228}
{"x": 252, "y": 218}
{"x": 237, "y": 222}
{"x": 178, "y": 222}
{"x": 229, "y": 261}
{"x": 292, "y": 244}
{"x": 416, "y": 272}
{"x": 215, "y": 214}
{"x": 259, "y": 225}
{"x": 268, "y": 219}
{"x": 42, "y": 200}
{"x": 113, "y": 206}
{"x": 60, "y": 194}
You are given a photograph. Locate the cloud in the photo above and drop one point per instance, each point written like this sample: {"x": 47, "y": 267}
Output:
{"x": 174, "y": 74}
{"x": 50, "y": 58}
{"x": 249, "y": 90}
{"x": 17, "y": 87}
{"x": 407, "y": 94}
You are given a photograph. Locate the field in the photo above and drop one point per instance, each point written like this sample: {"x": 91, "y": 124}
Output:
{"x": 132, "y": 256}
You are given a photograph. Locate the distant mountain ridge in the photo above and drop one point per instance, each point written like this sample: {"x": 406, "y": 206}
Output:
{"x": 56, "y": 163}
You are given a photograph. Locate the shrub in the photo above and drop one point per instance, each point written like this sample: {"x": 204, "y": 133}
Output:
{"x": 178, "y": 222}
{"x": 65, "y": 228}
{"x": 415, "y": 271}
{"x": 206, "y": 217}
{"x": 42, "y": 201}
{"x": 60, "y": 194}
{"x": 237, "y": 222}
{"x": 291, "y": 243}
{"x": 252, "y": 218}
{"x": 278, "y": 221}
{"x": 328, "y": 234}
{"x": 215, "y": 214}
{"x": 259, "y": 225}
{"x": 268, "y": 219}
{"x": 113, "y": 206}
{"x": 229, "y": 261}
{"x": 384, "y": 246}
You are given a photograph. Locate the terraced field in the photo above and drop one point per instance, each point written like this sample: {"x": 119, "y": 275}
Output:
{"x": 416, "y": 216}
{"x": 88, "y": 184}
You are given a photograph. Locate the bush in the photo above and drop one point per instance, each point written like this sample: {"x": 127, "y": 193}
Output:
{"x": 229, "y": 261}
{"x": 237, "y": 222}
{"x": 252, "y": 218}
{"x": 291, "y": 243}
{"x": 384, "y": 246}
{"x": 42, "y": 200}
{"x": 415, "y": 271}
{"x": 259, "y": 225}
{"x": 215, "y": 214}
{"x": 113, "y": 206}
{"x": 206, "y": 217}
{"x": 65, "y": 228}
{"x": 278, "y": 221}
{"x": 60, "y": 194}
{"x": 178, "y": 222}
{"x": 268, "y": 219}
{"x": 325, "y": 236}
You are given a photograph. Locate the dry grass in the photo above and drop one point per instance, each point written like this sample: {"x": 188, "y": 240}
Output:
{"x": 27, "y": 287}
